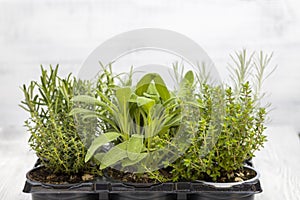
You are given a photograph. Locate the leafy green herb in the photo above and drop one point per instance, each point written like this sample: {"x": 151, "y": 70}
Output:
{"x": 53, "y": 132}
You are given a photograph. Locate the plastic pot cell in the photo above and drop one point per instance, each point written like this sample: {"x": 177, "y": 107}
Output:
{"x": 45, "y": 191}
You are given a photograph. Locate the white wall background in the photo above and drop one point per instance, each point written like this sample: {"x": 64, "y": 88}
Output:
{"x": 34, "y": 32}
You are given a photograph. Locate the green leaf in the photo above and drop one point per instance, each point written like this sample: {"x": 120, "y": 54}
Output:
{"x": 194, "y": 105}
{"x": 133, "y": 98}
{"x": 188, "y": 78}
{"x": 152, "y": 96}
{"x": 128, "y": 162}
{"x": 161, "y": 88}
{"x": 146, "y": 103}
{"x": 98, "y": 157}
{"x": 173, "y": 121}
{"x": 123, "y": 95}
{"x": 135, "y": 146}
{"x": 99, "y": 141}
{"x": 106, "y": 101}
{"x": 86, "y": 99}
{"x": 186, "y": 84}
{"x": 152, "y": 89}
{"x": 84, "y": 111}
{"x": 94, "y": 101}
{"x": 143, "y": 84}
{"x": 115, "y": 154}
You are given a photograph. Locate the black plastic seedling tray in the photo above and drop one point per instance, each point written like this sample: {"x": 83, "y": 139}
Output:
{"x": 111, "y": 190}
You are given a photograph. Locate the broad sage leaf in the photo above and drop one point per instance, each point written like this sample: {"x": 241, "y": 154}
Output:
{"x": 127, "y": 162}
{"x": 143, "y": 84}
{"x": 114, "y": 155}
{"x": 123, "y": 96}
{"x": 145, "y": 103}
{"x": 135, "y": 146}
{"x": 99, "y": 141}
{"x": 84, "y": 111}
{"x": 161, "y": 88}
{"x": 86, "y": 99}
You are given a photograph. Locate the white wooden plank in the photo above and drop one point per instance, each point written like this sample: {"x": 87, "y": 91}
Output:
{"x": 278, "y": 164}
{"x": 16, "y": 160}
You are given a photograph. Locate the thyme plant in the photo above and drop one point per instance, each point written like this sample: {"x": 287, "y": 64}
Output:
{"x": 242, "y": 124}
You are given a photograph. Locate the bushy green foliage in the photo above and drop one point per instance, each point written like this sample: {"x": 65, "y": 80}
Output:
{"x": 241, "y": 135}
{"x": 75, "y": 124}
{"x": 102, "y": 89}
{"x": 139, "y": 120}
{"x": 242, "y": 125}
{"x": 54, "y": 136}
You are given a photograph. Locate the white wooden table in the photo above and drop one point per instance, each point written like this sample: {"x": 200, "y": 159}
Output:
{"x": 279, "y": 164}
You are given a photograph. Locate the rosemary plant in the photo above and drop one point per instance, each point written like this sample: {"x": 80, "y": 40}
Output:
{"x": 53, "y": 132}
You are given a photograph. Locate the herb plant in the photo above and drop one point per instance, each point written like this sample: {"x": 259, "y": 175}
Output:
{"x": 54, "y": 136}
{"x": 141, "y": 120}
{"x": 75, "y": 124}
{"x": 242, "y": 125}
